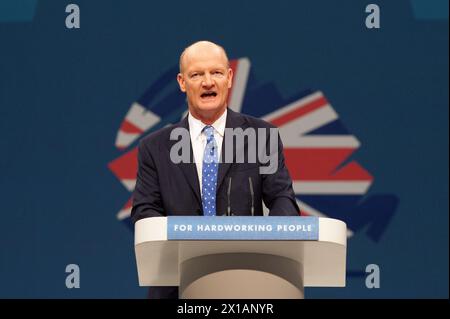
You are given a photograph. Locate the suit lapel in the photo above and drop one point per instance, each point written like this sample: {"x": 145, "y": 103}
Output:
{"x": 189, "y": 169}
{"x": 234, "y": 120}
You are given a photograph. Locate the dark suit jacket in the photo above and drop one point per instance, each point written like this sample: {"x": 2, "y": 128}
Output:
{"x": 164, "y": 188}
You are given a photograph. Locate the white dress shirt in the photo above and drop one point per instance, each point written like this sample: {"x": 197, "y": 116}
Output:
{"x": 198, "y": 139}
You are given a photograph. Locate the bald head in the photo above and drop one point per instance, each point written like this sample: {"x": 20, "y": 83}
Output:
{"x": 201, "y": 48}
{"x": 206, "y": 77}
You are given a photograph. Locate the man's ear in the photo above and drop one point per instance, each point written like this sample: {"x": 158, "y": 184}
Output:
{"x": 181, "y": 83}
{"x": 230, "y": 78}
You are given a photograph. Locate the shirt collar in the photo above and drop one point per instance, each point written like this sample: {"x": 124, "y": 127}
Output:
{"x": 196, "y": 126}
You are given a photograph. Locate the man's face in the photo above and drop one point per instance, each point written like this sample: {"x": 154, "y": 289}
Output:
{"x": 205, "y": 79}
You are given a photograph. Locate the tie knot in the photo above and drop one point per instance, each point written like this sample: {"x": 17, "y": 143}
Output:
{"x": 209, "y": 131}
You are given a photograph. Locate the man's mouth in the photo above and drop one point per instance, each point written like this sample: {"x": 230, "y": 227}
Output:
{"x": 208, "y": 95}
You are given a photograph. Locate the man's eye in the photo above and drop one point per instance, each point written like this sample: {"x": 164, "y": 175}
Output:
{"x": 194, "y": 75}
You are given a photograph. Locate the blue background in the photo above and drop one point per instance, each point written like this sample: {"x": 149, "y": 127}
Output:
{"x": 64, "y": 93}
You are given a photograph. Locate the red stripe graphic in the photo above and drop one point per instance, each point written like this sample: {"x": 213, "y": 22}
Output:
{"x": 300, "y": 111}
{"x": 128, "y": 204}
{"x": 303, "y": 164}
{"x": 128, "y": 127}
{"x": 314, "y": 164}
{"x": 125, "y": 166}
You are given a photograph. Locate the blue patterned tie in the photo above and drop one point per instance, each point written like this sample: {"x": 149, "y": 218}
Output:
{"x": 209, "y": 173}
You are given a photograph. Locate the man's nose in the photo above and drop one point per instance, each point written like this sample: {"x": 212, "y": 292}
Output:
{"x": 207, "y": 80}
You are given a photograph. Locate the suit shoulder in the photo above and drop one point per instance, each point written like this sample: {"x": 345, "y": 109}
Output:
{"x": 257, "y": 122}
{"x": 156, "y": 138}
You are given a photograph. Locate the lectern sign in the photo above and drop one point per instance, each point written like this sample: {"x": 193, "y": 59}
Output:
{"x": 242, "y": 228}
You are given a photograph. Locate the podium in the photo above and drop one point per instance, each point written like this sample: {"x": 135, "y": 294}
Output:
{"x": 241, "y": 257}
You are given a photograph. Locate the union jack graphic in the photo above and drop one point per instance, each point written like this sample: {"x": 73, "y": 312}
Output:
{"x": 317, "y": 147}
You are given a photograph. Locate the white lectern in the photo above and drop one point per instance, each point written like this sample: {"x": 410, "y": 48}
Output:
{"x": 216, "y": 262}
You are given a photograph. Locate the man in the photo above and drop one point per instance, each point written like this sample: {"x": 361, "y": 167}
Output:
{"x": 208, "y": 185}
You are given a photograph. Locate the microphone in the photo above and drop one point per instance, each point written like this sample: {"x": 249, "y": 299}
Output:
{"x": 253, "y": 195}
{"x": 228, "y": 197}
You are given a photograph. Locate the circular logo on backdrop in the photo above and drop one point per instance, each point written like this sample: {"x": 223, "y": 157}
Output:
{"x": 318, "y": 148}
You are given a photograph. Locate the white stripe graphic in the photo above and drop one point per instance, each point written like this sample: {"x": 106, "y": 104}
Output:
{"x": 291, "y": 132}
{"x": 292, "y": 106}
{"x": 320, "y": 141}
{"x": 309, "y": 121}
{"x": 124, "y": 213}
{"x": 139, "y": 117}
{"x": 330, "y": 188}
{"x": 239, "y": 84}
{"x": 124, "y": 139}
{"x": 142, "y": 118}
{"x": 129, "y": 184}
